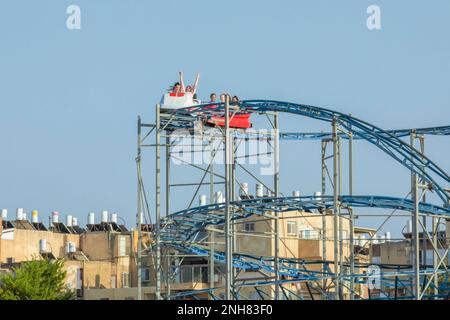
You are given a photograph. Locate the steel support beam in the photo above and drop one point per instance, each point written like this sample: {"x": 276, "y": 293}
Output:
{"x": 337, "y": 289}
{"x": 228, "y": 215}
{"x": 276, "y": 182}
{"x": 158, "y": 203}
{"x": 139, "y": 212}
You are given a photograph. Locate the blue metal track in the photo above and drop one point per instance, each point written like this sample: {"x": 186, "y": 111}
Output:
{"x": 433, "y": 131}
{"x": 387, "y": 141}
{"x": 181, "y": 228}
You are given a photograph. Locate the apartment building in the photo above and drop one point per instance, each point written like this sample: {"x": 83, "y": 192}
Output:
{"x": 97, "y": 257}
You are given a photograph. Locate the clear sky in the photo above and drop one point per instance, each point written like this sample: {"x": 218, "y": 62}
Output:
{"x": 69, "y": 99}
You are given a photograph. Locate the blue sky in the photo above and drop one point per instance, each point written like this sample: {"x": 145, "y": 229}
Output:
{"x": 69, "y": 99}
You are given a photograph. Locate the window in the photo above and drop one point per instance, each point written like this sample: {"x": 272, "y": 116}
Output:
{"x": 125, "y": 279}
{"x": 122, "y": 246}
{"x": 145, "y": 274}
{"x": 186, "y": 274}
{"x": 292, "y": 228}
{"x": 309, "y": 234}
{"x": 249, "y": 227}
{"x": 194, "y": 273}
{"x": 344, "y": 236}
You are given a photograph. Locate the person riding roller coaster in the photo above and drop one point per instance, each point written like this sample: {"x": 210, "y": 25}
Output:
{"x": 180, "y": 97}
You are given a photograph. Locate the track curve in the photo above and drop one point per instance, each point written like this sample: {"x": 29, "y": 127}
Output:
{"x": 387, "y": 141}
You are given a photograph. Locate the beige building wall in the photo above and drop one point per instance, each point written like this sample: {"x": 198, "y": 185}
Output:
{"x": 262, "y": 240}
{"x": 110, "y": 261}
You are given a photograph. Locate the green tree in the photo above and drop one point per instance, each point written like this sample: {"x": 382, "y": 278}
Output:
{"x": 36, "y": 280}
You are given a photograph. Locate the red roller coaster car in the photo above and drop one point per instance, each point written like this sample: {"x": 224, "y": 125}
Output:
{"x": 173, "y": 101}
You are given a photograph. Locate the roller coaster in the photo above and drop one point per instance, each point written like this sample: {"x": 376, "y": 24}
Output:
{"x": 191, "y": 231}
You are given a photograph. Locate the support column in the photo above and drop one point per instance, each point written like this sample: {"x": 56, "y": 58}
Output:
{"x": 139, "y": 212}
{"x": 336, "y": 212}
{"x": 228, "y": 233}
{"x": 167, "y": 175}
{"x": 435, "y": 226}
{"x": 340, "y": 228}
{"x": 324, "y": 214}
{"x": 158, "y": 203}
{"x": 415, "y": 230}
{"x": 168, "y": 273}
{"x": 232, "y": 195}
{"x": 211, "y": 233}
{"x": 276, "y": 182}
{"x": 351, "y": 216}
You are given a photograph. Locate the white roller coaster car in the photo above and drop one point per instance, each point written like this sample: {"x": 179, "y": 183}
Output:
{"x": 172, "y": 100}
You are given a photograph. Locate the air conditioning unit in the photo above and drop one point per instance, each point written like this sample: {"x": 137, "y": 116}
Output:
{"x": 10, "y": 260}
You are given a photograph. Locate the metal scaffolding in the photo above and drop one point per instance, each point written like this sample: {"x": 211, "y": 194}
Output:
{"x": 210, "y": 231}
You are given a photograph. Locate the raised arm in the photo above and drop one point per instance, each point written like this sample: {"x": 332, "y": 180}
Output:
{"x": 182, "y": 81}
{"x": 197, "y": 78}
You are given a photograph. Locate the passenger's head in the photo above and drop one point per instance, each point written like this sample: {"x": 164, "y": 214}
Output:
{"x": 212, "y": 97}
{"x": 222, "y": 97}
{"x": 176, "y": 87}
{"x": 235, "y": 99}
{"x": 189, "y": 89}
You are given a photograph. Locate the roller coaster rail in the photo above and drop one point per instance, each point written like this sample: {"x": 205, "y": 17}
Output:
{"x": 193, "y": 231}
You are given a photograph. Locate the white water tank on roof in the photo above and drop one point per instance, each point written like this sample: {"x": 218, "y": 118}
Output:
{"x": 91, "y": 218}
{"x": 74, "y": 221}
{"x": 202, "y": 200}
{"x": 409, "y": 226}
{"x": 114, "y": 217}
{"x": 105, "y": 216}
{"x": 374, "y": 239}
{"x": 69, "y": 220}
{"x": 19, "y": 214}
{"x": 296, "y": 193}
{"x": 259, "y": 190}
{"x": 24, "y": 216}
{"x": 387, "y": 236}
{"x": 362, "y": 241}
{"x": 55, "y": 216}
{"x": 42, "y": 245}
{"x": 34, "y": 216}
{"x": 4, "y": 214}
{"x": 318, "y": 195}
